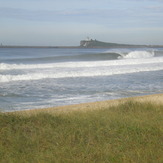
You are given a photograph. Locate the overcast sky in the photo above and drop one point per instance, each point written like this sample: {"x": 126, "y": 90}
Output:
{"x": 66, "y": 22}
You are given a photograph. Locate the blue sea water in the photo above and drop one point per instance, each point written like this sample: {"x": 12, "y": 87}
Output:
{"x": 45, "y": 77}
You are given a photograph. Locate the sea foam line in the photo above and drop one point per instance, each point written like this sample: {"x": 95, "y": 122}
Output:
{"x": 4, "y": 66}
{"x": 80, "y": 73}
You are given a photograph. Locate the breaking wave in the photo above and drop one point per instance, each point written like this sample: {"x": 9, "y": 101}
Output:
{"x": 102, "y": 56}
{"x": 5, "y": 66}
{"x": 77, "y": 69}
{"x": 87, "y": 65}
{"x": 139, "y": 54}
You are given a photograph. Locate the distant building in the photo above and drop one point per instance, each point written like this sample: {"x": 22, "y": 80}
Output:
{"x": 87, "y": 42}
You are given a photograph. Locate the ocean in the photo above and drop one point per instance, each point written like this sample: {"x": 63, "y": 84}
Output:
{"x": 45, "y": 77}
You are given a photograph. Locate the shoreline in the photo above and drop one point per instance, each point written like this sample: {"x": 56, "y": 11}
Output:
{"x": 155, "y": 98}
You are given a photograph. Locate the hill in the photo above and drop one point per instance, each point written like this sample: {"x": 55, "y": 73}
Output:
{"x": 90, "y": 43}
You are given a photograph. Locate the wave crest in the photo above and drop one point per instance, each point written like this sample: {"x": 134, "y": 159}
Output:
{"x": 139, "y": 54}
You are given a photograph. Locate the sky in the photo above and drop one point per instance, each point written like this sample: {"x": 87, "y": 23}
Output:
{"x": 66, "y": 22}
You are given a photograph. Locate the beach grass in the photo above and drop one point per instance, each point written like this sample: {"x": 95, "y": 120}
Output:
{"x": 130, "y": 132}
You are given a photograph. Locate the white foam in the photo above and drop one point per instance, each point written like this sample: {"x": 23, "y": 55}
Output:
{"x": 139, "y": 54}
{"x": 82, "y": 72}
{"x": 135, "y": 61}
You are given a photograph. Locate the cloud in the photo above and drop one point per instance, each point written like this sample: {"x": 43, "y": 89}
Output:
{"x": 116, "y": 14}
{"x": 18, "y": 13}
{"x": 72, "y": 15}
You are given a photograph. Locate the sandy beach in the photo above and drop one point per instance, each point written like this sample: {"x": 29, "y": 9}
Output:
{"x": 156, "y": 99}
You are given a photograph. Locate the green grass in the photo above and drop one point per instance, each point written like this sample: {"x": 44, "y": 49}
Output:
{"x": 129, "y": 133}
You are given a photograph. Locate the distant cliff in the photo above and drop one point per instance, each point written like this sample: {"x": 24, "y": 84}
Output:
{"x": 99, "y": 44}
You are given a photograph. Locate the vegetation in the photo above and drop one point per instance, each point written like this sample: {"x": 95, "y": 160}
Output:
{"x": 130, "y": 132}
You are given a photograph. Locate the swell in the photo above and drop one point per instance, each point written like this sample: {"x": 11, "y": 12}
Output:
{"x": 77, "y": 57}
{"x": 86, "y": 57}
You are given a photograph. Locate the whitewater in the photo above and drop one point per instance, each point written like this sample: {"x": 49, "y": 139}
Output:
{"x": 45, "y": 77}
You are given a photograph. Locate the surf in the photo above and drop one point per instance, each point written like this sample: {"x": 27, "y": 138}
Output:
{"x": 139, "y": 55}
{"x": 135, "y": 58}
{"x": 80, "y": 70}
{"x": 114, "y": 62}
{"x": 34, "y": 78}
